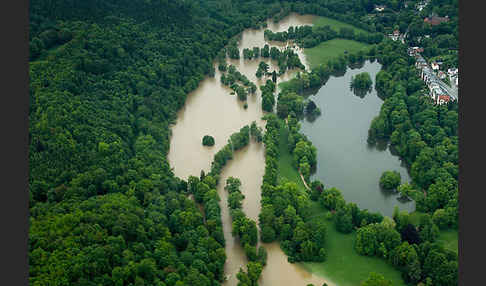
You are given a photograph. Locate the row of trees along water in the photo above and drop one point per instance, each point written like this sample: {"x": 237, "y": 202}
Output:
{"x": 425, "y": 137}
{"x": 106, "y": 81}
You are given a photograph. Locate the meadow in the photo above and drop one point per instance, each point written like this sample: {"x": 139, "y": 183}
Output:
{"x": 344, "y": 266}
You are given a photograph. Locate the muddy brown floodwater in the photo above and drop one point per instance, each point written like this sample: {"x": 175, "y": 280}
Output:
{"x": 211, "y": 110}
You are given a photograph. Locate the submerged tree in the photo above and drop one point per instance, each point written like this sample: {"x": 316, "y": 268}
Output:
{"x": 390, "y": 180}
{"x": 208, "y": 140}
{"x": 361, "y": 84}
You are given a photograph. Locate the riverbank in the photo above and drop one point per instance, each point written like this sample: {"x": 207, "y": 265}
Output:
{"x": 332, "y": 49}
{"x": 343, "y": 265}
{"x": 449, "y": 238}
{"x": 335, "y": 24}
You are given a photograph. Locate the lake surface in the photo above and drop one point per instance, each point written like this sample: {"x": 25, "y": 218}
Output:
{"x": 344, "y": 159}
{"x": 211, "y": 110}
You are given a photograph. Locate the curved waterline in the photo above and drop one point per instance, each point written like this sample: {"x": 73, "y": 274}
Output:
{"x": 211, "y": 110}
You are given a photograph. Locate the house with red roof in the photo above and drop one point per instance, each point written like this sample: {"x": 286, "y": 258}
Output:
{"x": 436, "y": 20}
{"x": 441, "y": 99}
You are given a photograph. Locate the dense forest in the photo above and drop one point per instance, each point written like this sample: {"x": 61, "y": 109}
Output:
{"x": 106, "y": 81}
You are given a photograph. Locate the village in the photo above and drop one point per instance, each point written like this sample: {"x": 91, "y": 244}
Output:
{"x": 439, "y": 91}
{"x": 432, "y": 75}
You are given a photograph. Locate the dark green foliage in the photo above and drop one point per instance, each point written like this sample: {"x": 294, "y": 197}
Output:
{"x": 208, "y": 140}
{"x": 256, "y": 132}
{"x": 106, "y": 81}
{"x": 262, "y": 69}
{"x": 317, "y": 188}
{"x": 285, "y": 209}
{"x": 377, "y": 239}
{"x": 268, "y": 98}
{"x": 232, "y": 49}
{"x": 308, "y": 37}
{"x": 262, "y": 255}
{"x": 390, "y": 180}
{"x": 115, "y": 234}
{"x": 233, "y": 78}
{"x": 428, "y": 231}
{"x": 246, "y": 230}
{"x": 241, "y": 93}
{"x": 410, "y": 234}
{"x": 237, "y": 141}
{"x": 344, "y": 220}
{"x": 290, "y": 103}
{"x": 361, "y": 81}
{"x": 424, "y": 134}
{"x": 376, "y": 279}
{"x": 311, "y": 110}
{"x": 332, "y": 199}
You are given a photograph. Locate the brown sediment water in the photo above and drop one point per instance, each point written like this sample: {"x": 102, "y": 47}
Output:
{"x": 248, "y": 165}
{"x": 279, "y": 271}
{"x": 211, "y": 110}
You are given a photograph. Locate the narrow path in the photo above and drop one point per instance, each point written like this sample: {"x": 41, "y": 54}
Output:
{"x": 302, "y": 177}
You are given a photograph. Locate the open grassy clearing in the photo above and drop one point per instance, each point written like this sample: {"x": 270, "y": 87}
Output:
{"x": 327, "y": 50}
{"x": 343, "y": 265}
{"x": 449, "y": 239}
{"x": 285, "y": 168}
{"x": 336, "y": 25}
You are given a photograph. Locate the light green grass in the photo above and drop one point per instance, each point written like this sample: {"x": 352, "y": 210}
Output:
{"x": 343, "y": 265}
{"x": 285, "y": 168}
{"x": 415, "y": 217}
{"x": 336, "y": 25}
{"x": 327, "y": 50}
{"x": 449, "y": 239}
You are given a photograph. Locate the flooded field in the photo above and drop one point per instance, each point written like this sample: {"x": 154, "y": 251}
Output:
{"x": 212, "y": 110}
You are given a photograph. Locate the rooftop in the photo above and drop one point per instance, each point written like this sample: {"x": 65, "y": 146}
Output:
{"x": 436, "y": 20}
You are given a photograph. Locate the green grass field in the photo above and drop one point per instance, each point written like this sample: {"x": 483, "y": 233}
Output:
{"x": 327, "y": 50}
{"x": 449, "y": 239}
{"x": 343, "y": 265}
{"x": 335, "y": 24}
{"x": 285, "y": 169}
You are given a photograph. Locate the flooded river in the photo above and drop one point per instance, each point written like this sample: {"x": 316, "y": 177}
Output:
{"x": 211, "y": 110}
{"x": 344, "y": 159}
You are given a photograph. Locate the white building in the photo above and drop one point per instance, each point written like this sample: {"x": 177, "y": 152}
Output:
{"x": 420, "y": 63}
{"x": 380, "y": 8}
{"x": 438, "y": 95}
{"x": 452, "y": 71}
{"x": 441, "y": 75}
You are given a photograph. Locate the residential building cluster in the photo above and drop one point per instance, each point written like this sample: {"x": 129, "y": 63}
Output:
{"x": 436, "y": 20}
{"x": 432, "y": 76}
{"x": 421, "y": 5}
{"x": 395, "y": 36}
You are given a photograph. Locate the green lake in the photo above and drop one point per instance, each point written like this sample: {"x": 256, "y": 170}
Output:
{"x": 344, "y": 158}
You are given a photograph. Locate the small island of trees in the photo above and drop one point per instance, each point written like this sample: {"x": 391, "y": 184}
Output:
{"x": 361, "y": 84}
{"x": 312, "y": 111}
{"x": 390, "y": 180}
{"x": 208, "y": 140}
